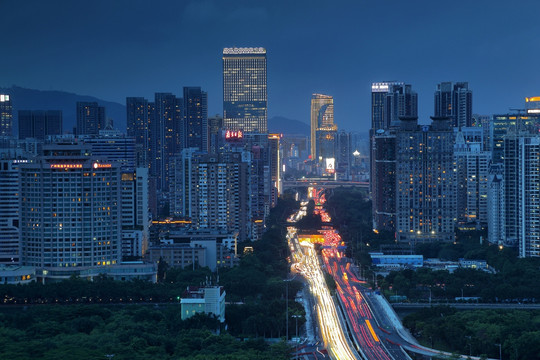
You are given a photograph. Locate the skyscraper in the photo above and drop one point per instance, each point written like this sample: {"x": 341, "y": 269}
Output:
{"x": 165, "y": 136}
{"x": 6, "y": 115}
{"x": 70, "y": 210}
{"x": 90, "y": 118}
{"x": 383, "y": 186}
{"x": 39, "y": 124}
{"x": 454, "y": 101}
{"x": 195, "y": 124}
{"x": 522, "y": 194}
{"x": 137, "y": 109}
{"x": 322, "y": 119}
{"x": 9, "y": 208}
{"x": 425, "y": 190}
{"x": 471, "y": 172}
{"x": 245, "y": 99}
{"x": 389, "y": 102}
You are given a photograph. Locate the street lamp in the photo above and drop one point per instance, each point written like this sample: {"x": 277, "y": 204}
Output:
{"x": 287, "y": 305}
{"x": 500, "y": 351}
{"x": 296, "y": 342}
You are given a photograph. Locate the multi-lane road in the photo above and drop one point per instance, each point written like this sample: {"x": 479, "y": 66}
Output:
{"x": 359, "y": 324}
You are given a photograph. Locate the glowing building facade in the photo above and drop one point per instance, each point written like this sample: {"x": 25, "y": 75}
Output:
{"x": 323, "y": 129}
{"x": 244, "y": 89}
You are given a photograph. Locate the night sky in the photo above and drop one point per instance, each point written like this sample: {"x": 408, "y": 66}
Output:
{"x": 117, "y": 48}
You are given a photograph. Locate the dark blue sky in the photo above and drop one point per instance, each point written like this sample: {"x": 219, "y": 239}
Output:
{"x": 113, "y": 49}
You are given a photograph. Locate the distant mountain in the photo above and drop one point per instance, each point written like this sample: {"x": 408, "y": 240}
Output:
{"x": 31, "y": 99}
{"x": 280, "y": 124}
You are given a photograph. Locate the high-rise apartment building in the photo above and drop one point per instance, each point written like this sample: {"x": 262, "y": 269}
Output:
{"x": 502, "y": 124}
{"x": 6, "y": 116}
{"x": 343, "y": 155}
{"x": 138, "y": 122}
{"x": 471, "y": 176}
{"x": 39, "y": 124}
{"x": 215, "y": 126}
{"x": 390, "y": 101}
{"x": 454, "y": 100}
{"x": 496, "y": 208}
{"x": 90, "y": 118}
{"x": 9, "y": 208}
{"x": 195, "y": 124}
{"x": 165, "y": 136}
{"x": 180, "y": 192}
{"x": 322, "y": 124}
{"x": 219, "y": 198}
{"x": 70, "y": 210}
{"x": 425, "y": 190}
{"x": 245, "y": 98}
{"x": 521, "y": 192}
{"x": 134, "y": 212}
{"x": 384, "y": 180}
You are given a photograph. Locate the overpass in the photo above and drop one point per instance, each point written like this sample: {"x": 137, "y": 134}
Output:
{"x": 468, "y": 306}
{"x": 328, "y": 184}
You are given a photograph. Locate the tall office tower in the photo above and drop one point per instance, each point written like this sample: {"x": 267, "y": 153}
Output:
{"x": 195, "y": 124}
{"x": 532, "y": 105}
{"x": 454, "y": 100}
{"x": 9, "y": 207}
{"x": 39, "y": 124}
{"x": 134, "y": 210}
{"x": 496, "y": 233}
{"x": 113, "y": 146}
{"x": 502, "y": 124}
{"x": 425, "y": 188}
{"x": 165, "y": 136}
{"x": 384, "y": 187}
{"x": 90, "y": 118}
{"x": 6, "y": 116}
{"x": 70, "y": 210}
{"x": 245, "y": 99}
{"x": 322, "y": 119}
{"x": 522, "y": 194}
{"x": 138, "y": 122}
{"x": 471, "y": 171}
{"x": 343, "y": 155}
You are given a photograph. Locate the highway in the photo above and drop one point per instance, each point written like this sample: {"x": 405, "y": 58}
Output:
{"x": 332, "y": 332}
{"x": 369, "y": 329}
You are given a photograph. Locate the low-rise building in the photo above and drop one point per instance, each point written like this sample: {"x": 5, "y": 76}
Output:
{"x": 207, "y": 299}
{"x": 14, "y": 274}
{"x": 396, "y": 261}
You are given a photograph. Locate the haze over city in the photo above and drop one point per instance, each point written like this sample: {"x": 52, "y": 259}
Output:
{"x": 126, "y": 48}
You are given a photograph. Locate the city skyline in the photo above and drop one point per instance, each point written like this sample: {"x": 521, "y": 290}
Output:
{"x": 100, "y": 57}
